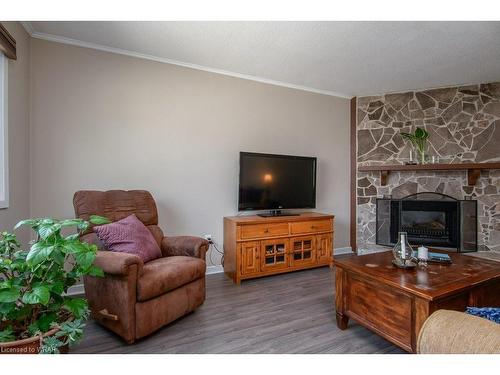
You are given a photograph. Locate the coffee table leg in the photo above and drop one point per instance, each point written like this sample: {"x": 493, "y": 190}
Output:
{"x": 342, "y": 321}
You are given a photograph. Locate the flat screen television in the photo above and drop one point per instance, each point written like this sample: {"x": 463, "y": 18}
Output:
{"x": 275, "y": 182}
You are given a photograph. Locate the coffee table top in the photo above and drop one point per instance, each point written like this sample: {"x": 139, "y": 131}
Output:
{"x": 435, "y": 281}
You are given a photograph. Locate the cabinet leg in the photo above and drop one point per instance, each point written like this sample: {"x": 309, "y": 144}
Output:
{"x": 342, "y": 321}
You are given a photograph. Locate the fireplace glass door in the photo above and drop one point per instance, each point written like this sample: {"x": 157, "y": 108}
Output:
{"x": 430, "y": 219}
{"x": 429, "y": 223}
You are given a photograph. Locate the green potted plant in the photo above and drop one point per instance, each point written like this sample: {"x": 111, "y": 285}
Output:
{"x": 36, "y": 314}
{"x": 419, "y": 141}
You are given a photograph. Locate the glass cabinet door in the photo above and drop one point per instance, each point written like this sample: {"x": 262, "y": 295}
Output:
{"x": 302, "y": 250}
{"x": 274, "y": 254}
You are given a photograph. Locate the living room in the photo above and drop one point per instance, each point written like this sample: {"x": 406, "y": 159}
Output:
{"x": 264, "y": 187}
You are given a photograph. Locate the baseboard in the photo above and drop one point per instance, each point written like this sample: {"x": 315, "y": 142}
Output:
{"x": 342, "y": 250}
{"x": 214, "y": 269}
{"x": 219, "y": 269}
{"x": 370, "y": 249}
{"x": 76, "y": 290}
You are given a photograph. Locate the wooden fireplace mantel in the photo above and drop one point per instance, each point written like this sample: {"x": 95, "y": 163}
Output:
{"x": 473, "y": 169}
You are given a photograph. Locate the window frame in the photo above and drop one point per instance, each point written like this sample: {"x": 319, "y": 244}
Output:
{"x": 4, "y": 134}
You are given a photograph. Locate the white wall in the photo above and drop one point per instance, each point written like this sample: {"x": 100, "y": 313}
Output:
{"x": 107, "y": 121}
{"x": 18, "y": 123}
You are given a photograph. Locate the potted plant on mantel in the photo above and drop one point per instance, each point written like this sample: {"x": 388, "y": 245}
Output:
{"x": 36, "y": 314}
{"x": 419, "y": 141}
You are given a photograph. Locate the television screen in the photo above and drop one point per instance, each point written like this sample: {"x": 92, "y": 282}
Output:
{"x": 276, "y": 181}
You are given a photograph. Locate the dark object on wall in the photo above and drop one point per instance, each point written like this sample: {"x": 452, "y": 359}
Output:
{"x": 7, "y": 43}
{"x": 275, "y": 182}
{"x": 430, "y": 219}
{"x": 134, "y": 299}
{"x": 352, "y": 229}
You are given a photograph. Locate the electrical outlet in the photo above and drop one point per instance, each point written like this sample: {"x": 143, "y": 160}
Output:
{"x": 208, "y": 237}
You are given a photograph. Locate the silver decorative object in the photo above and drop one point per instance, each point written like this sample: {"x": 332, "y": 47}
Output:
{"x": 403, "y": 252}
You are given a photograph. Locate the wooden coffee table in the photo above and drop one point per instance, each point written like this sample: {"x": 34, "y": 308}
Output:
{"x": 394, "y": 302}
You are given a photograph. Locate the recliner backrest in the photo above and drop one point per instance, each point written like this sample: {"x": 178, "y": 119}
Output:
{"x": 118, "y": 204}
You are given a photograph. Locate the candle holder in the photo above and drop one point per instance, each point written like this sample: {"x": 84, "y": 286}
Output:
{"x": 422, "y": 256}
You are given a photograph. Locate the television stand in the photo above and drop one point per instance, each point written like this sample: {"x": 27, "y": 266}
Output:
{"x": 274, "y": 213}
{"x": 255, "y": 246}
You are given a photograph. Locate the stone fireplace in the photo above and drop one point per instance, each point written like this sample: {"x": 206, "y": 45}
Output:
{"x": 464, "y": 127}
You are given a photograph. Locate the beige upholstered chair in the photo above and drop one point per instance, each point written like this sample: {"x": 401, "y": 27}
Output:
{"x": 453, "y": 332}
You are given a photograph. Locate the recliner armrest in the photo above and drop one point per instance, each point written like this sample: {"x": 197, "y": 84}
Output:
{"x": 454, "y": 332}
{"x": 184, "y": 245}
{"x": 115, "y": 263}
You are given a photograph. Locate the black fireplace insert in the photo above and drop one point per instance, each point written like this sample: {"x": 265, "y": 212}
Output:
{"x": 430, "y": 219}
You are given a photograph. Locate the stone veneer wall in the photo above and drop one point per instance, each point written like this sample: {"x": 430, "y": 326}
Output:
{"x": 464, "y": 126}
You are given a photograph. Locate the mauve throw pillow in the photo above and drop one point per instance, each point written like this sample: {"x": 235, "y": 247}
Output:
{"x": 130, "y": 236}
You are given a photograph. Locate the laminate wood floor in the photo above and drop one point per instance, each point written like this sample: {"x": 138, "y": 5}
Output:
{"x": 289, "y": 313}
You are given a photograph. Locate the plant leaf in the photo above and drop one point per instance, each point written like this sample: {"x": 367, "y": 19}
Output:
{"x": 6, "y": 308}
{"x": 58, "y": 256}
{"x": 57, "y": 287}
{"x": 99, "y": 220}
{"x": 73, "y": 331}
{"x": 83, "y": 226}
{"x": 95, "y": 271}
{"x": 51, "y": 345}
{"x": 419, "y": 133}
{"x": 70, "y": 222}
{"x": 39, "y": 294}
{"x": 28, "y": 222}
{"x": 46, "y": 320}
{"x": 19, "y": 313}
{"x": 7, "y": 335}
{"x": 33, "y": 329}
{"x": 408, "y": 136}
{"x": 85, "y": 259}
{"x": 74, "y": 247}
{"x": 426, "y": 134}
{"x": 7, "y": 284}
{"x": 73, "y": 237}
{"x": 39, "y": 252}
{"x": 47, "y": 230}
{"x": 46, "y": 221}
{"x": 10, "y": 295}
{"x": 77, "y": 306}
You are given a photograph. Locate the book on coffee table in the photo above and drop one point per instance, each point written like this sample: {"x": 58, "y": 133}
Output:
{"x": 439, "y": 258}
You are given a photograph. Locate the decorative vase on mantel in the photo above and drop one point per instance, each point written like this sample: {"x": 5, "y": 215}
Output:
{"x": 418, "y": 157}
{"x": 422, "y": 156}
{"x": 419, "y": 142}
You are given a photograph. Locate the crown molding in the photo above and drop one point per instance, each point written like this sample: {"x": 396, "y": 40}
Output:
{"x": 100, "y": 47}
{"x": 28, "y": 27}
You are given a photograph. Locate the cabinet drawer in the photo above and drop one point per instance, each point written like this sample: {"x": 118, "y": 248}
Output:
{"x": 264, "y": 230}
{"x": 310, "y": 226}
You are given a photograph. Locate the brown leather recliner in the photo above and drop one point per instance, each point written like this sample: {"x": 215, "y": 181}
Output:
{"x": 134, "y": 298}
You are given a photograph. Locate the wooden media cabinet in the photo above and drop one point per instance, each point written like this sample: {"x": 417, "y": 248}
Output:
{"x": 255, "y": 246}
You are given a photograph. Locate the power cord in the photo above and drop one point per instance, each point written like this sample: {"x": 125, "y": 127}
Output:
{"x": 213, "y": 244}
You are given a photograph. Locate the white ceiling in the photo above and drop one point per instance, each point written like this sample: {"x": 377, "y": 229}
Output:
{"x": 339, "y": 58}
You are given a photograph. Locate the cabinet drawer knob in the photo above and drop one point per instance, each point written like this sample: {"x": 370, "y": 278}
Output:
{"x": 266, "y": 230}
